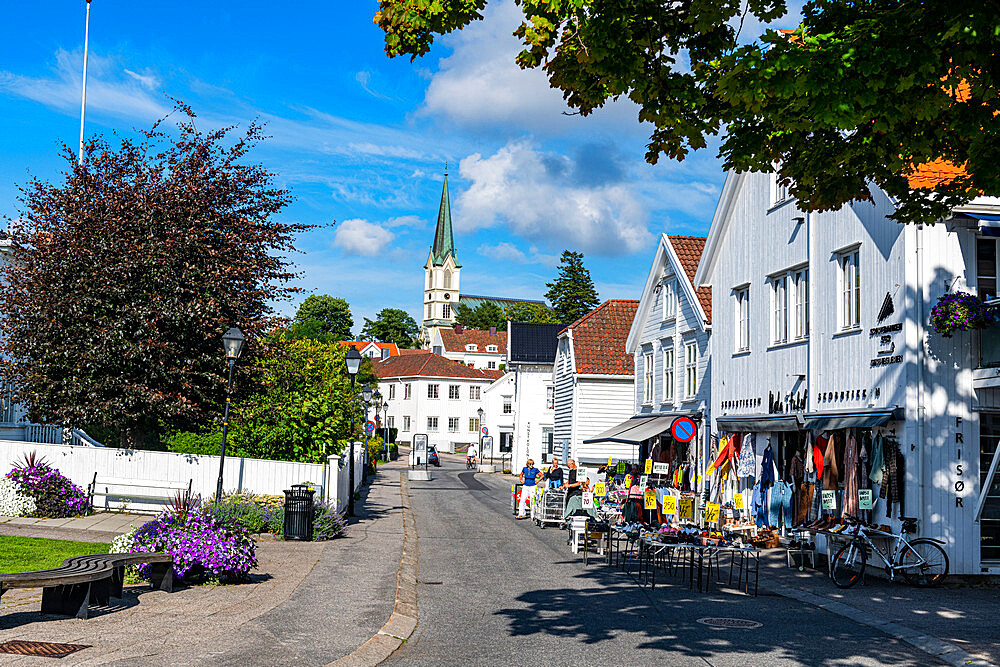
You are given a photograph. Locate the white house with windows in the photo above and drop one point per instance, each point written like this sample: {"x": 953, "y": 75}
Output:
{"x": 531, "y": 353}
{"x": 498, "y": 418}
{"x": 821, "y": 328}
{"x": 669, "y": 343}
{"x": 594, "y": 379}
{"x": 479, "y": 348}
{"x": 430, "y": 394}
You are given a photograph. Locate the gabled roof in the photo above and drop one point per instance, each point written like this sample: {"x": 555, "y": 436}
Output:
{"x": 444, "y": 240}
{"x": 599, "y": 339}
{"x": 454, "y": 341}
{"x": 681, "y": 254}
{"x": 533, "y": 343}
{"x": 430, "y": 365}
{"x": 406, "y": 350}
{"x": 361, "y": 345}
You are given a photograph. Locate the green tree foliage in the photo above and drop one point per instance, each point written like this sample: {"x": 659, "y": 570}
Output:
{"x": 322, "y": 317}
{"x": 391, "y": 325}
{"x": 483, "y": 316}
{"x": 126, "y": 271}
{"x": 863, "y": 92}
{"x": 572, "y": 294}
{"x": 298, "y": 407}
{"x": 529, "y": 312}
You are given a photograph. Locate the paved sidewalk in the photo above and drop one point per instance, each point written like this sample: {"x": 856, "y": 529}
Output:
{"x": 962, "y": 615}
{"x": 99, "y": 527}
{"x": 308, "y": 603}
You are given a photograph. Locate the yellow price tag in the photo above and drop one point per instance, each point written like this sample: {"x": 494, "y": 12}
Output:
{"x": 609, "y": 459}
{"x": 599, "y": 490}
{"x": 687, "y": 509}
{"x": 712, "y": 512}
{"x": 628, "y": 481}
{"x": 649, "y": 466}
{"x": 669, "y": 504}
{"x": 738, "y": 501}
{"x": 512, "y": 488}
{"x": 649, "y": 500}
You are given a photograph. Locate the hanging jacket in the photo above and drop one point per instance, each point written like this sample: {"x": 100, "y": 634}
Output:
{"x": 747, "y": 466}
{"x": 877, "y": 473}
{"x": 831, "y": 475}
{"x": 819, "y": 446}
{"x": 767, "y": 468}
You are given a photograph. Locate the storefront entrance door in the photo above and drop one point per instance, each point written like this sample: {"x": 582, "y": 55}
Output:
{"x": 989, "y": 522}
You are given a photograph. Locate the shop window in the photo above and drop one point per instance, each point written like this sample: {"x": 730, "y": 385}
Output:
{"x": 690, "y": 370}
{"x": 432, "y": 390}
{"x": 669, "y": 377}
{"x": 432, "y": 423}
{"x": 406, "y": 423}
{"x": 475, "y": 393}
{"x": 987, "y": 268}
{"x": 550, "y": 398}
{"x": 989, "y": 522}
{"x": 647, "y": 378}
{"x": 849, "y": 305}
{"x": 742, "y": 295}
{"x": 454, "y": 391}
{"x": 800, "y": 280}
{"x": 473, "y": 425}
{"x": 779, "y": 309}
{"x": 407, "y": 391}
{"x": 669, "y": 299}
{"x": 452, "y": 424}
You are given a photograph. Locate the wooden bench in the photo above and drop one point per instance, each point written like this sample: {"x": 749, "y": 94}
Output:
{"x": 112, "y": 488}
{"x": 69, "y": 589}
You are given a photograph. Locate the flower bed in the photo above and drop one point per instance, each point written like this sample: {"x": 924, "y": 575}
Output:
{"x": 960, "y": 311}
{"x": 13, "y": 502}
{"x": 258, "y": 514}
{"x": 328, "y": 523}
{"x": 54, "y": 494}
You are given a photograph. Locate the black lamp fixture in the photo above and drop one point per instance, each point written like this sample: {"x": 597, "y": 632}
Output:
{"x": 232, "y": 343}
{"x": 353, "y": 363}
{"x": 481, "y": 412}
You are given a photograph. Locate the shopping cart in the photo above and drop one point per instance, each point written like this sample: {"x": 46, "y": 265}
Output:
{"x": 551, "y": 509}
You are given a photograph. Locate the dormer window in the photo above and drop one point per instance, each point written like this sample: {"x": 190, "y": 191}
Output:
{"x": 471, "y": 347}
{"x": 492, "y": 348}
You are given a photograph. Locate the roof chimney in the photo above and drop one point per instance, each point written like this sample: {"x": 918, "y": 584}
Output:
{"x": 458, "y": 328}
{"x": 493, "y": 331}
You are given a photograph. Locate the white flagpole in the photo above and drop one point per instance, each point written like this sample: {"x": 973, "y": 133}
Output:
{"x": 83, "y": 101}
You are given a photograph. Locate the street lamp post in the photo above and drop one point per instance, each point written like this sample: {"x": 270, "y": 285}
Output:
{"x": 366, "y": 395}
{"x": 353, "y": 362}
{"x": 232, "y": 343}
{"x": 481, "y": 412}
{"x": 83, "y": 100}
{"x": 385, "y": 414}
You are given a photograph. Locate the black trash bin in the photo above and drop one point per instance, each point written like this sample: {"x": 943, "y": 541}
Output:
{"x": 299, "y": 513}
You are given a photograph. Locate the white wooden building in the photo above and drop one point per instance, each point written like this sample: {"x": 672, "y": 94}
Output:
{"x": 531, "y": 352}
{"x": 821, "y": 322}
{"x": 594, "y": 380}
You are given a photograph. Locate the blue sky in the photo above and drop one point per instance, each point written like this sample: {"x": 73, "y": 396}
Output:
{"x": 362, "y": 140}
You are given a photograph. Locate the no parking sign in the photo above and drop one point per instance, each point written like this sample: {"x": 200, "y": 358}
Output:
{"x": 683, "y": 429}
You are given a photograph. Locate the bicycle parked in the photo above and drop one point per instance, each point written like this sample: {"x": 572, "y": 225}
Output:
{"x": 921, "y": 562}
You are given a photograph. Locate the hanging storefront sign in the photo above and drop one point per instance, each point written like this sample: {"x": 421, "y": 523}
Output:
{"x": 683, "y": 429}
{"x": 599, "y": 490}
{"x": 649, "y": 500}
{"x": 865, "y": 499}
{"x": 661, "y": 468}
{"x": 669, "y": 504}
{"x": 829, "y": 500}
{"x": 712, "y": 512}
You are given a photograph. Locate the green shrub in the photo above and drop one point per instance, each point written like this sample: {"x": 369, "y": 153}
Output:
{"x": 328, "y": 522}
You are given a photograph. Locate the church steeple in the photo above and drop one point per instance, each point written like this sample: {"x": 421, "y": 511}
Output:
{"x": 444, "y": 242}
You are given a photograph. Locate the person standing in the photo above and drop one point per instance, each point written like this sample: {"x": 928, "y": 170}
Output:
{"x": 573, "y": 485}
{"x": 529, "y": 475}
{"x": 554, "y": 477}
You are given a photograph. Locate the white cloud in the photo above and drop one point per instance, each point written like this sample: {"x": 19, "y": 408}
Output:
{"x": 147, "y": 79}
{"x": 553, "y": 200}
{"x": 406, "y": 221}
{"x": 481, "y": 85}
{"x": 365, "y": 79}
{"x": 508, "y": 252}
{"x": 362, "y": 237}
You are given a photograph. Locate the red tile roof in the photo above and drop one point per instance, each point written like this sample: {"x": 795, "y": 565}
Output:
{"x": 456, "y": 342}
{"x": 360, "y": 345}
{"x": 689, "y": 249}
{"x": 430, "y": 365}
{"x": 406, "y": 350}
{"x": 599, "y": 339}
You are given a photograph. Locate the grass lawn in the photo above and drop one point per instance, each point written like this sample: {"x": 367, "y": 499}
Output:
{"x": 24, "y": 554}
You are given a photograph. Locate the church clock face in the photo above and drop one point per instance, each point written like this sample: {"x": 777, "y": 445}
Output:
{"x": 447, "y": 296}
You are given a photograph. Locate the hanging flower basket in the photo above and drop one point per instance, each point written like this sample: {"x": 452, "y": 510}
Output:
{"x": 960, "y": 311}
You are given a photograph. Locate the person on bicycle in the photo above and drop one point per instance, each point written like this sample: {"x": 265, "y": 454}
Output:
{"x": 470, "y": 456}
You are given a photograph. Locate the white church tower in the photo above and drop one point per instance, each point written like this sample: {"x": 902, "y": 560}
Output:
{"x": 441, "y": 273}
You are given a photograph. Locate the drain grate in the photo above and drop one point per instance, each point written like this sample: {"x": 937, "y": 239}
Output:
{"x": 740, "y": 623}
{"x": 430, "y": 583}
{"x": 42, "y": 649}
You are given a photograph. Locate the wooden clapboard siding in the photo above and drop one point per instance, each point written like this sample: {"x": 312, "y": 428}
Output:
{"x": 600, "y": 404}
{"x": 565, "y": 387}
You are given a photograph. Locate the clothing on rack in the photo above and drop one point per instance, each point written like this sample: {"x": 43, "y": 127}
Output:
{"x": 877, "y": 473}
{"x": 757, "y": 506}
{"x": 831, "y": 474}
{"x": 747, "y": 466}
{"x": 852, "y": 476}
{"x": 819, "y": 446}
{"x": 781, "y": 501}
{"x": 804, "y": 501}
{"x": 767, "y": 468}
{"x": 895, "y": 468}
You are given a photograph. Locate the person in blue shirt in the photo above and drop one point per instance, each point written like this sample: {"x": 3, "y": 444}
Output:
{"x": 529, "y": 475}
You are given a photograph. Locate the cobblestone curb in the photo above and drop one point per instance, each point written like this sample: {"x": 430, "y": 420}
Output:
{"x": 932, "y": 646}
{"x": 403, "y": 620}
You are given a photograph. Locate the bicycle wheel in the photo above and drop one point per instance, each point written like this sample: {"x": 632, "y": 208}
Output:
{"x": 849, "y": 565}
{"x": 926, "y": 563}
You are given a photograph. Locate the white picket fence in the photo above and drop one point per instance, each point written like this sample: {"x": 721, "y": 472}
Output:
{"x": 241, "y": 475}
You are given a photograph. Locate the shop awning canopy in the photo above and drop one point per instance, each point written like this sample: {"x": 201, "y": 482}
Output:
{"x": 819, "y": 421}
{"x": 635, "y": 430}
{"x": 987, "y": 222}
{"x": 758, "y": 423}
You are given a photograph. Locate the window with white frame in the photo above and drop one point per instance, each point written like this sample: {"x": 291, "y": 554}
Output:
{"x": 407, "y": 391}
{"x": 447, "y": 279}
{"x": 647, "y": 378}
{"x": 475, "y": 393}
{"x": 742, "y": 296}
{"x": 432, "y": 423}
{"x": 432, "y": 390}
{"x": 550, "y": 398}
{"x": 987, "y": 267}
{"x": 669, "y": 377}
{"x": 690, "y": 370}
{"x": 779, "y": 309}
{"x": 390, "y": 422}
{"x": 452, "y": 424}
{"x": 471, "y": 347}
{"x": 406, "y": 423}
{"x": 392, "y": 391}
{"x": 473, "y": 425}
{"x": 430, "y": 311}
{"x": 491, "y": 365}
{"x": 849, "y": 306}
{"x": 508, "y": 407}
{"x": 669, "y": 299}
{"x": 779, "y": 192}
{"x": 800, "y": 280}
{"x": 446, "y": 311}
{"x": 454, "y": 391}
{"x": 492, "y": 348}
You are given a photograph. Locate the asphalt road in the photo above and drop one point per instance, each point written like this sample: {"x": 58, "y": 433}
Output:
{"x": 497, "y": 591}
